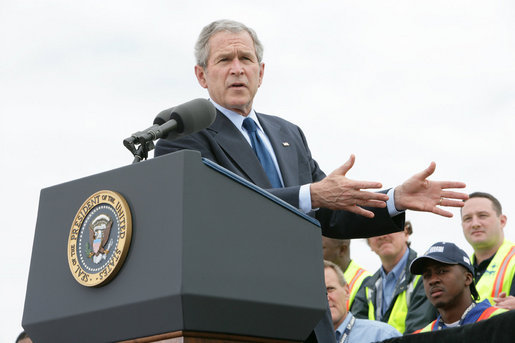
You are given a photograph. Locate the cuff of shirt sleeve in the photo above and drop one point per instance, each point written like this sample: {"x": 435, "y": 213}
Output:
{"x": 390, "y": 204}
{"x": 305, "y": 198}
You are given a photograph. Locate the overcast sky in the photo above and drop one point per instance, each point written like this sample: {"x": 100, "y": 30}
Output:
{"x": 398, "y": 83}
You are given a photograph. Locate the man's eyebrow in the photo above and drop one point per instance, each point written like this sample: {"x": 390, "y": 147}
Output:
{"x": 223, "y": 53}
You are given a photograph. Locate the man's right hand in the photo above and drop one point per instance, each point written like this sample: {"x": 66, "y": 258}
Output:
{"x": 337, "y": 192}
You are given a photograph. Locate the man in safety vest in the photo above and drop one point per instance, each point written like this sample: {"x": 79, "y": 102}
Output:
{"x": 338, "y": 252}
{"x": 393, "y": 295}
{"x": 494, "y": 256}
{"x": 447, "y": 275}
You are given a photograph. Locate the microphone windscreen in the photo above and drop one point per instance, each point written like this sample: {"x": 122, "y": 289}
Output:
{"x": 163, "y": 116}
{"x": 193, "y": 116}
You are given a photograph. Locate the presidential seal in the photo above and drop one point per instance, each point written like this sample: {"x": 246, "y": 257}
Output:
{"x": 99, "y": 238}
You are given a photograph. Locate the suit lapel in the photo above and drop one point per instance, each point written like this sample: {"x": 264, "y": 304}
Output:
{"x": 284, "y": 149}
{"x": 236, "y": 147}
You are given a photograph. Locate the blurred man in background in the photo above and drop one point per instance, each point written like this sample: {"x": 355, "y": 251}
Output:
{"x": 338, "y": 252}
{"x": 393, "y": 295}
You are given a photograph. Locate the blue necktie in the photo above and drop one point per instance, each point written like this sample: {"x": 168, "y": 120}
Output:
{"x": 261, "y": 152}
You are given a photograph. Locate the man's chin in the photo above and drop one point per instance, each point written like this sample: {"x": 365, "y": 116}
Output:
{"x": 337, "y": 319}
{"x": 478, "y": 241}
{"x": 438, "y": 303}
{"x": 241, "y": 107}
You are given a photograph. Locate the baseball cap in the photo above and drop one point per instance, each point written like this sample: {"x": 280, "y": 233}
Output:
{"x": 448, "y": 253}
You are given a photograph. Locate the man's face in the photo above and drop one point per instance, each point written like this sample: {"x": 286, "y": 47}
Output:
{"x": 446, "y": 284}
{"x": 337, "y": 296}
{"x": 482, "y": 226}
{"x": 389, "y": 246}
{"x": 233, "y": 74}
{"x": 331, "y": 249}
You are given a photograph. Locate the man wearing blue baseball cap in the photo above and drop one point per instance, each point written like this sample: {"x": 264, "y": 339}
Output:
{"x": 448, "y": 280}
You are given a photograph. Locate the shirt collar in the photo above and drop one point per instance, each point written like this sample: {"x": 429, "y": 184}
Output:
{"x": 484, "y": 263}
{"x": 345, "y": 322}
{"x": 236, "y": 118}
{"x": 399, "y": 267}
{"x": 442, "y": 324}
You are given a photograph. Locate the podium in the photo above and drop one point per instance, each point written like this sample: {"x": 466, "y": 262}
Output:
{"x": 212, "y": 259}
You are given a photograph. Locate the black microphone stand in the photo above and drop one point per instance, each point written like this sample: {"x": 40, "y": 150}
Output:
{"x": 173, "y": 123}
{"x": 141, "y": 152}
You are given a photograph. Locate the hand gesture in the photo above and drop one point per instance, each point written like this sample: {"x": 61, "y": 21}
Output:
{"x": 337, "y": 192}
{"x": 419, "y": 194}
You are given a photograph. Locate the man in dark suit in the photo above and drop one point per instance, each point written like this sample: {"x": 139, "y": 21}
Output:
{"x": 273, "y": 153}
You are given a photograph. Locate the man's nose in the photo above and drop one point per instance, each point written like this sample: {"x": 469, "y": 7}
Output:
{"x": 236, "y": 67}
{"x": 433, "y": 279}
{"x": 475, "y": 222}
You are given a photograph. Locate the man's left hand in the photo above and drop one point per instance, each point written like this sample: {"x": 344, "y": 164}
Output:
{"x": 419, "y": 194}
{"x": 503, "y": 301}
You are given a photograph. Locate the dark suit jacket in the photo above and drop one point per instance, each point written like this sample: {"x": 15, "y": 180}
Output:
{"x": 224, "y": 144}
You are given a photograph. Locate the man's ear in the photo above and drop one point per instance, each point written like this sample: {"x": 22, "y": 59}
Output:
{"x": 504, "y": 219}
{"x": 200, "y": 73}
{"x": 261, "y": 73}
{"x": 342, "y": 249}
{"x": 469, "y": 278}
{"x": 346, "y": 289}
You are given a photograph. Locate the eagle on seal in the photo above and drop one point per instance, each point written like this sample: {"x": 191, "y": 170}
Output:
{"x": 99, "y": 231}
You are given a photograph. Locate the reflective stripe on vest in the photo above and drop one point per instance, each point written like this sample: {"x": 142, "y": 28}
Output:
{"x": 499, "y": 280}
{"x": 371, "y": 311}
{"x": 487, "y": 313}
{"x": 399, "y": 311}
{"x": 355, "y": 275}
{"x": 499, "y": 274}
{"x": 427, "y": 328}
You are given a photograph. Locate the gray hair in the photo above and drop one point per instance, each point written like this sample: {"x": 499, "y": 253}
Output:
{"x": 202, "y": 45}
{"x": 337, "y": 270}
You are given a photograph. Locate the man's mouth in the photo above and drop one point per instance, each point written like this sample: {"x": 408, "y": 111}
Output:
{"x": 237, "y": 85}
{"x": 436, "y": 292}
{"x": 381, "y": 243}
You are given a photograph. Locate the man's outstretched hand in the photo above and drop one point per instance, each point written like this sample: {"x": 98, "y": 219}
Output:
{"x": 419, "y": 194}
{"x": 337, "y": 192}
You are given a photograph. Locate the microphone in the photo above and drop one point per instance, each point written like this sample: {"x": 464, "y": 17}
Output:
{"x": 184, "y": 119}
{"x": 177, "y": 122}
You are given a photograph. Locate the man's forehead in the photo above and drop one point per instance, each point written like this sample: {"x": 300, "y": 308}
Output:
{"x": 477, "y": 205}
{"x": 330, "y": 273}
{"x": 228, "y": 40}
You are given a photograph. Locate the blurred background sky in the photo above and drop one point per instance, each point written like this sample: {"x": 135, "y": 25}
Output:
{"x": 398, "y": 83}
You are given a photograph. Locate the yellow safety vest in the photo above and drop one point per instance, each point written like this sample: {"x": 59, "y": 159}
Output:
{"x": 498, "y": 275}
{"x": 354, "y": 275}
{"x": 489, "y": 312}
{"x": 399, "y": 312}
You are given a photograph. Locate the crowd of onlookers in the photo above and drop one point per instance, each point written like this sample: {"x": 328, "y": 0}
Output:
{"x": 441, "y": 289}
